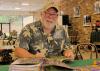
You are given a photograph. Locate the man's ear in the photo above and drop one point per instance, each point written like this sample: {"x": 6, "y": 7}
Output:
{"x": 42, "y": 13}
{"x": 42, "y": 16}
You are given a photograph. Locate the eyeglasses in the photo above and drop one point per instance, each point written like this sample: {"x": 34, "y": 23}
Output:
{"x": 51, "y": 14}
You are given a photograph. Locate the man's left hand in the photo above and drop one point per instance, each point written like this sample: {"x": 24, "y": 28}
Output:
{"x": 69, "y": 54}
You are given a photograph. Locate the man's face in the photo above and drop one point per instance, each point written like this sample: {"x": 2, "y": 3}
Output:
{"x": 51, "y": 15}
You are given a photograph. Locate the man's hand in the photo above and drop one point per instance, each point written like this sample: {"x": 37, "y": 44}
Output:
{"x": 69, "y": 54}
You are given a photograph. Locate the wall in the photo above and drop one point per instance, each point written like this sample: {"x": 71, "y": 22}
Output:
{"x": 86, "y": 8}
{"x": 17, "y": 24}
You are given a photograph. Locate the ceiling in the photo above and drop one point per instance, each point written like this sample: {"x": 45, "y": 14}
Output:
{"x": 18, "y": 6}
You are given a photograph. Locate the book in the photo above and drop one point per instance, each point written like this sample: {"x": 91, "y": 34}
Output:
{"x": 25, "y": 64}
{"x": 37, "y": 64}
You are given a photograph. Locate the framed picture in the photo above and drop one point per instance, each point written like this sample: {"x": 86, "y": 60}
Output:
{"x": 97, "y": 7}
{"x": 86, "y": 20}
{"x": 77, "y": 11}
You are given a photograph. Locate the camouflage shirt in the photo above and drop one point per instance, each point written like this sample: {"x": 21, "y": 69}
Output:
{"x": 33, "y": 39}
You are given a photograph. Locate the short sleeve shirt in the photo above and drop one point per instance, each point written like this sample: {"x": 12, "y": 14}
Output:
{"x": 33, "y": 39}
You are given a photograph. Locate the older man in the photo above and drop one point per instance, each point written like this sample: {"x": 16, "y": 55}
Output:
{"x": 46, "y": 35}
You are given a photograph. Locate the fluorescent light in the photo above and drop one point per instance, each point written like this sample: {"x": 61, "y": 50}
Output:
{"x": 25, "y": 4}
{"x": 17, "y": 8}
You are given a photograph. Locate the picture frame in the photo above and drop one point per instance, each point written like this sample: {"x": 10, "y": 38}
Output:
{"x": 97, "y": 7}
{"x": 86, "y": 20}
{"x": 76, "y": 11}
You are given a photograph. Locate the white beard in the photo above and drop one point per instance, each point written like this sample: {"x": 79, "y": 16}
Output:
{"x": 49, "y": 26}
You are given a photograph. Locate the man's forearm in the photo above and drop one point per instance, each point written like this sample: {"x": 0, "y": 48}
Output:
{"x": 20, "y": 52}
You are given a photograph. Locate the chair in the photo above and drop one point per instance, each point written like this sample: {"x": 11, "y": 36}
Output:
{"x": 73, "y": 34}
{"x": 85, "y": 47}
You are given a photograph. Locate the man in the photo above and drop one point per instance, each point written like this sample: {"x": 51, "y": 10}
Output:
{"x": 46, "y": 35}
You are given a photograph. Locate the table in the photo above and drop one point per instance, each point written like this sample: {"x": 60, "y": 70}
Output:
{"x": 76, "y": 63}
